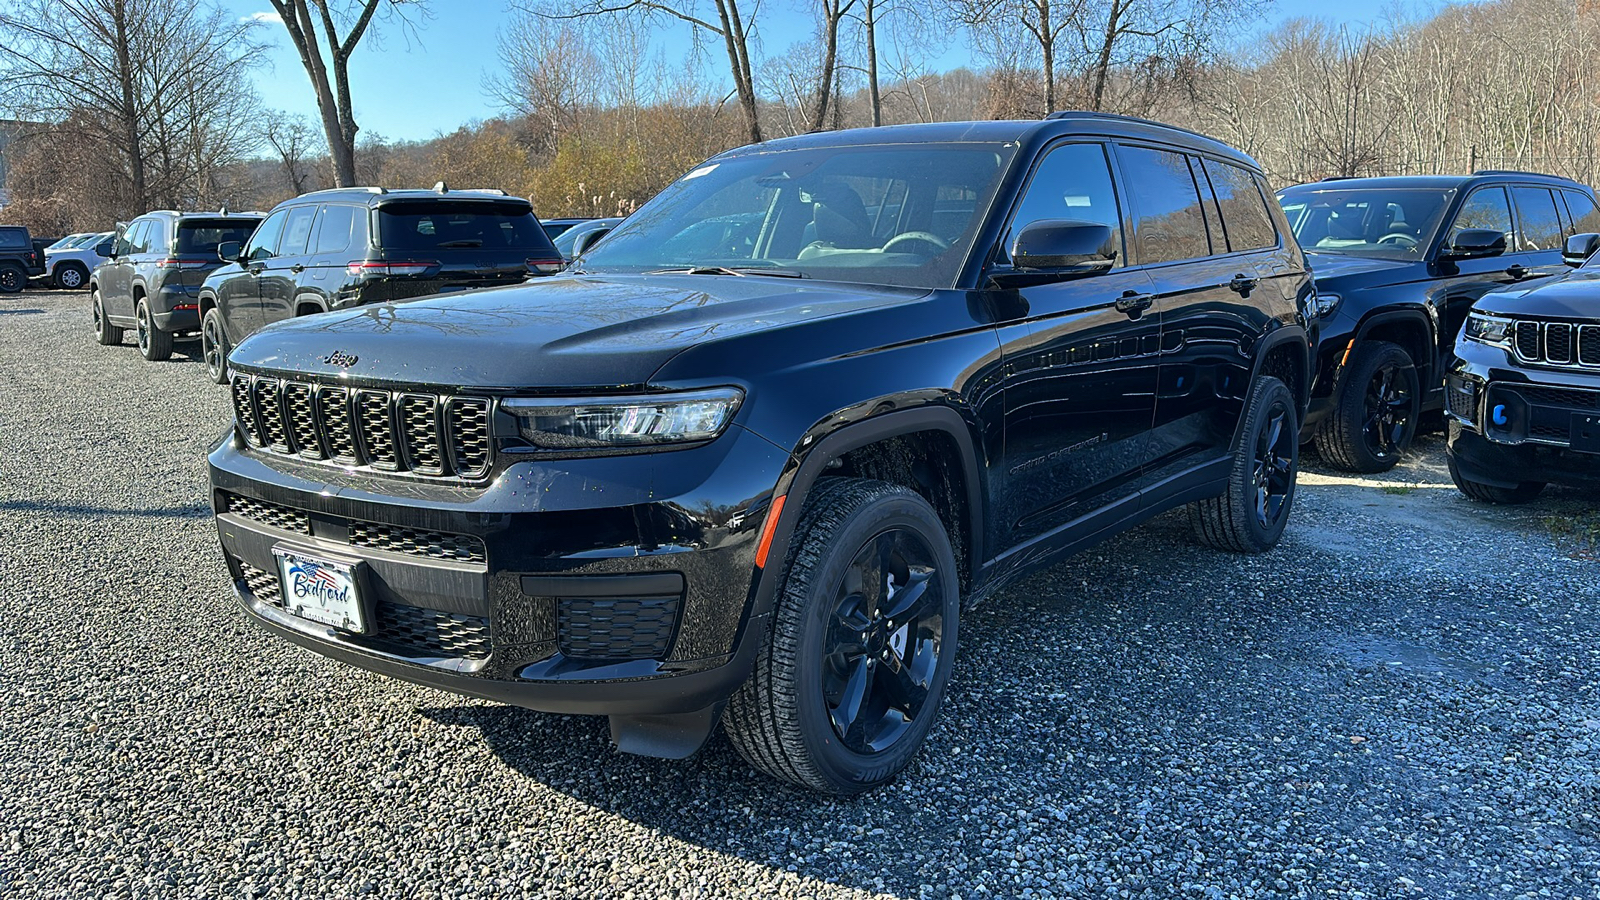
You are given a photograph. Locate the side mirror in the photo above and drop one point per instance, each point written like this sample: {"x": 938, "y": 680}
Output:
{"x": 1579, "y": 248}
{"x": 585, "y": 241}
{"x": 1471, "y": 243}
{"x": 1064, "y": 247}
{"x": 103, "y": 248}
{"x": 228, "y": 251}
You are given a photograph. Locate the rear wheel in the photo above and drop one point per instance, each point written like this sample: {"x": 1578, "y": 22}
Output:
{"x": 214, "y": 346}
{"x": 154, "y": 344}
{"x": 1378, "y": 410}
{"x": 1251, "y": 516}
{"x": 1525, "y": 492}
{"x": 854, "y": 663}
{"x": 71, "y": 276}
{"x": 12, "y": 279}
{"x": 104, "y": 332}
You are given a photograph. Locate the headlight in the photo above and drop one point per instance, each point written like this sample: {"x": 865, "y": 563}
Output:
{"x": 638, "y": 420}
{"x": 1491, "y": 330}
{"x": 1325, "y": 304}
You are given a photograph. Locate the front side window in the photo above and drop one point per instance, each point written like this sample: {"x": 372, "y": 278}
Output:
{"x": 264, "y": 243}
{"x": 1169, "y": 223}
{"x": 1585, "y": 218}
{"x": 1541, "y": 222}
{"x": 1073, "y": 181}
{"x": 1244, "y": 210}
{"x": 1486, "y": 209}
{"x": 1386, "y": 223}
{"x": 905, "y": 215}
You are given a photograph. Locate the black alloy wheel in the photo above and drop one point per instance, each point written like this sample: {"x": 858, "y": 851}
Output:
{"x": 1251, "y": 515}
{"x": 884, "y": 641}
{"x": 105, "y": 333}
{"x": 1274, "y": 460}
{"x": 12, "y": 279}
{"x": 214, "y": 346}
{"x": 1389, "y": 411}
{"x": 1377, "y": 411}
{"x": 154, "y": 344}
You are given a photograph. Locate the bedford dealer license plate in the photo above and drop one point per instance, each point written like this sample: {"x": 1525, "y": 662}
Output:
{"x": 319, "y": 590}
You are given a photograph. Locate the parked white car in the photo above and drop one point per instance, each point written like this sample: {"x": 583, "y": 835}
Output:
{"x": 67, "y": 264}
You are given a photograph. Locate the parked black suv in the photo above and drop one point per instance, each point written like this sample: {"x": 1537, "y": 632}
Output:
{"x": 697, "y": 482}
{"x": 349, "y": 247}
{"x": 1398, "y": 262}
{"x": 152, "y": 281}
{"x": 1524, "y": 389}
{"x": 20, "y": 258}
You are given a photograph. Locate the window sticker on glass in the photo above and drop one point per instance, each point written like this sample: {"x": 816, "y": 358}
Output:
{"x": 1081, "y": 201}
{"x": 703, "y": 170}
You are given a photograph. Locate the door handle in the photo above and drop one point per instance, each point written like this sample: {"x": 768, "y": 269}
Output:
{"x": 257, "y": 268}
{"x": 297, "y": 268}
{"x": 1517, "y": 271}
{"x": 1134, "y": 303}
{"x": 1242, "y": 285}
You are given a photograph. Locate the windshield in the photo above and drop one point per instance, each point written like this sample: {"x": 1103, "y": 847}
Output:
{"x": 70, "y": 240}
{"x": 1388, "y": 223}
{"x": 895, "y": 215}
{"x": 434, "y": 225}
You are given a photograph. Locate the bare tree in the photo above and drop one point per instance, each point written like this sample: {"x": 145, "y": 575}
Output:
{"x": 291, "y": 137}
{"x": 329, "y": 68}
{"x": 1044, "y": 22}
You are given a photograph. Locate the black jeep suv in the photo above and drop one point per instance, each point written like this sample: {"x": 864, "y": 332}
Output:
{"x": 1398, "y": 262}
{"x": 20, "y": 258}
{"x": 151, "y": 282}
{"x": 749, "y": 481}
{"x": 1524, "y": 389}
{"x": 347, "y": 247}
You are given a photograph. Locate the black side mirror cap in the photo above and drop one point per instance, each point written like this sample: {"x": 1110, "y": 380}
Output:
{"x": 1578, "y": 248}
{"x": 1064, "y": 247}
{"x": 103, "y": 248}
{"x": 1471, "y": 243}
{"x": 228, "y": 251}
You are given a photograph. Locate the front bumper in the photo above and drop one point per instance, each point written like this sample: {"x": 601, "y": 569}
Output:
{"x": 619, "y": 586}
{"x": 1512, "y": 423}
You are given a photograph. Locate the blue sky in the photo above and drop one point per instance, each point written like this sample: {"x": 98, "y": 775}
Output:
{"x": 435, "y": 84}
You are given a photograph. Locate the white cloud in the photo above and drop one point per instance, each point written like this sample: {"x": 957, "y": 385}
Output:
{"x": 269, "y": 17}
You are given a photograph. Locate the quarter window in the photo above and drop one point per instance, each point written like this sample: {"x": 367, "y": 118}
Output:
{"x": 1541, "y": 222}
{"x": 1244, "y": 210}
{"x": 1072, "y": 182}
{"x": 1169, "y": 224}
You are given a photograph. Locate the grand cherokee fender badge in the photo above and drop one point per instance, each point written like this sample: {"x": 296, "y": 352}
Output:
{"x": 341, "y": 359}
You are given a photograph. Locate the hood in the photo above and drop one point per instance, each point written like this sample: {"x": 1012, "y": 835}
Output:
{"x": 1343, "y": 271}
{"x": 1575, "y": 295}
{"x": 565, "y": 331}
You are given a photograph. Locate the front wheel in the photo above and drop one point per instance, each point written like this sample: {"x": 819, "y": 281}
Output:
{"x": 214, "y": 346}
{"x": 854, "y": 663}
{"x": 154, "y": 344}
{"x": 1376, "y": 418}
{"x": 71, "y": 276}
{"x": 1251, "y": 516}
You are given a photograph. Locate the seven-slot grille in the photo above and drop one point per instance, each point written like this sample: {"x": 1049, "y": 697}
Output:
{"x": 1558, "y": 344}
{"x": 425, "y": 434}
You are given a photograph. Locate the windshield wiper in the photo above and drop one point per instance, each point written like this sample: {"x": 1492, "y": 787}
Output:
{"x": 465, "y": 242}
{"x": 771, "y": 271}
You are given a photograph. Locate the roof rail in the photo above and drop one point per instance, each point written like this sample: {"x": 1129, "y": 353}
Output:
{"x": 1339, "y": 178}
{"x": 1116, "y": 117}
{"x": 1522, "y": 172}
{"x": 370, "y": 190}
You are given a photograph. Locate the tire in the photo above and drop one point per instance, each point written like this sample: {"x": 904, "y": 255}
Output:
{"x": 154, "y": 344}
{"x": 107, "y": 334}
{"x": 1379, "y": 406}
{"x": 786, "y": 719}
{"x": 71, "y": 276}
{"x": 1526, "y": 492}
{"x": 214, "y": 346}
{"x": 1251, "y": 516}
{"x": 12, "y": 279}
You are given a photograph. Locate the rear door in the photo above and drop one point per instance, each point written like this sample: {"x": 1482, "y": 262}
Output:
{"x": 279, "y": 278}
{"x": 338, "y": 239}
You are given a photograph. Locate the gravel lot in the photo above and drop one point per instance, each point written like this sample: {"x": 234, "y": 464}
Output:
{"x": 1401, "y": 701}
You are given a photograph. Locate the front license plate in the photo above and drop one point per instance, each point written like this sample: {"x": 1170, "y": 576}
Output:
{"x": 1586, "y": 432}
{"x": 320, "y": 591}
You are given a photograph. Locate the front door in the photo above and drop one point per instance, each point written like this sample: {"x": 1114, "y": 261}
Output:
{"x": 280, "y": 278}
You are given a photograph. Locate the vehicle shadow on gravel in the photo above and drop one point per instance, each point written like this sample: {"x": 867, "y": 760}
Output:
{"x": 78, "y": 509}
{"x": 20, "y": 312}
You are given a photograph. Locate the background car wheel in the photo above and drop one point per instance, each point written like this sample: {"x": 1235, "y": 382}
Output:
{"x": 1526, "y": 492}
{"x": 154, "y": 344}
{"x": 854, "y": 662}
{"x": 71, "y": 276}
{"x": 1378, "y": 409}
{"x": 106, "y": 333}
{"x": 12, "y": 279}
{"x": 214, "y": 346}
{"x": 1251, "y": 516}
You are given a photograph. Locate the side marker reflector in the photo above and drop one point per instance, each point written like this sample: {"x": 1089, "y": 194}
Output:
{"x": 767, "y": 531}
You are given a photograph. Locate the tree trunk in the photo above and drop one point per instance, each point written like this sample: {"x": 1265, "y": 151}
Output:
{"x": 129, "y": 112}
{"x": 739, "y": 62}
{"x": 873, "y": 97}
{"x": 1102, "y": 67}
{"x": 832, "y": 11}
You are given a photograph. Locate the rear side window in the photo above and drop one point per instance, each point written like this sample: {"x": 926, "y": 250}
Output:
{"x": 14, "y": 238}
{"x": 1485, "y": 209}
{"x": 1168, "y": 224}
{"x": 1585, "y": 219}
{"x": 1541, "y": 222}
{"x": 1073, "y": 181}
{"x": 440, "y": 225}
{"x": 297, "y": 231}
{"x": 201, "y": 237}
{"x": 1244, "y": 210}
{"x": 333, "y": 235}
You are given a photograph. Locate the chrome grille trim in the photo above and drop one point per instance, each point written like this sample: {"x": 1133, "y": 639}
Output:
{"x": 1560, "y": 345}
{"x": 419, "y": 433}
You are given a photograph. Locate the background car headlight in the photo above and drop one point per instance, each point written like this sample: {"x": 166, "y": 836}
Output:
{"x": 1325, "y": 304}
{"x": 599, "y": 423}
{"x": 1491, "y": 330}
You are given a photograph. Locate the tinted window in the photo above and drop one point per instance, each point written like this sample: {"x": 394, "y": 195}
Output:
{"x": 1244, "y": 210}
{"x": 265, "y": 241}
{"x": 13, "y": 237}
{"x": 1585, "y": 219}
{"x": 333, "y": 235}
{"x": 1208, "y": 205}
{"x": 139, "y": 237}
{"x": 1072, "y": 182}
{"x": 297, "y": 231}
{"x": 1485, "y": 209}
{"x": 200, "y": 237}
{"x": 1541, "y": 223}
{"x": 463, "y": 225}
{"x": 1169, "y": 224}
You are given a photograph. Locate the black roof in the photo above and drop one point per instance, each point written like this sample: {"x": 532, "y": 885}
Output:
{"x": 1435, "y": 182}
{"x": 377, "y": 196}
{"x": 1003, "y": 130}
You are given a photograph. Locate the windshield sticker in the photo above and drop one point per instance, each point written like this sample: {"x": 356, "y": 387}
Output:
{"x": 703, "y": 170}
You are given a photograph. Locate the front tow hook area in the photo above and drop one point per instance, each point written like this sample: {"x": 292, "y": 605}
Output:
{"x": 672, "y": 736}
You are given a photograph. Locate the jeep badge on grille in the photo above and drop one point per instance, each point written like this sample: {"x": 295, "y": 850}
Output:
{"x": 341, "y": 359}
